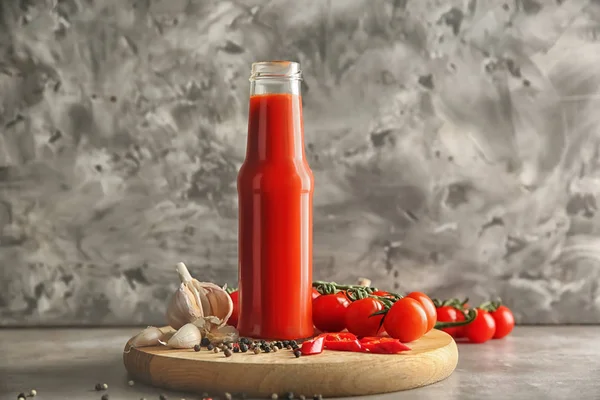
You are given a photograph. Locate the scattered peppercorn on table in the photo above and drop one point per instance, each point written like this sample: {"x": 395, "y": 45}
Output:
{"x": 533, "y": 362}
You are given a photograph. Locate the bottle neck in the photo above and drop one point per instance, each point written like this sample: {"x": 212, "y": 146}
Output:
{"x": 275, "y": 125}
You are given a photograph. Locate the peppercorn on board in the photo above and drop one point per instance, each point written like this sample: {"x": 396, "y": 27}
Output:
{"x": 331, "y": 373}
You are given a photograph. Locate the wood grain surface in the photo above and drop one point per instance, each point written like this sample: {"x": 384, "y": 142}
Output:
{"x": 332, "y": 373}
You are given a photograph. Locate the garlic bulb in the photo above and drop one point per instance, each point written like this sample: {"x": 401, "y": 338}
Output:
{"x": 194, "y": 300}
{"x": 363, "y": 282}
{"x": 185, "y": 338}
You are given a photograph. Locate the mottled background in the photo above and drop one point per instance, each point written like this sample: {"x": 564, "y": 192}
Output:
{"x": 455, "y": 147}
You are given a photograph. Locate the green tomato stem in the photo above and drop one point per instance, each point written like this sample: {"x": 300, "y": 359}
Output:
{"x": 469, "y": 317}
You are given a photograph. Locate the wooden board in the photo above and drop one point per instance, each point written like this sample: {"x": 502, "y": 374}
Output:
{"x": 332, "y": 373}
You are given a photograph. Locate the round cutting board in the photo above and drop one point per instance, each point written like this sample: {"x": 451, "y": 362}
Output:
{"x": 331, "y": 373}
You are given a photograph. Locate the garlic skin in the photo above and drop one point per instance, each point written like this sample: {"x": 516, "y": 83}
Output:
{"x": 213, "y": 329}
{"x": 185, "y": 338}
{"x": 194, "y": 299}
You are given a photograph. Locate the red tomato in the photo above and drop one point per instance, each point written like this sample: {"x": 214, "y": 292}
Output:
{"x": 428, "y": 306}
{"x": 315, "y": 293}
{"x": 482, "y": 328}
{"x": 233, "y": 319}
{"x": 359, "y": 320}
{"x": 406, "y": 320}
{"x": 451, "y": 314}
{"x": 381, "y": 293}
{"x": 329, "y": 312}
{"x": 505, "y": 321}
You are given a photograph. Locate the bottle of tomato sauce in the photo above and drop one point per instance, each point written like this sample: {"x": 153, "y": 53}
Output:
{"x": 275, "y": 193}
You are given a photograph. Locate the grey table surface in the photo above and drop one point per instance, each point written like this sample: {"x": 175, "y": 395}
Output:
{"x": 533, "y": 363}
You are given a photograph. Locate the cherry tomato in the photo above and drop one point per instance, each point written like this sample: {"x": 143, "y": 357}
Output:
{"x": 329, "y": 312}
{"x": 505, "y": 321}
{"x": 406, "y": 320}
{"x": 381, "y": 293}
{"x": 482, "y": 328}
{"x": 451, "y": 314}
{"x": 315, "y": 293}
{"x": 233, "y": 319}
{"x": 359, "y": 320}
{"x": 428, "y": 306}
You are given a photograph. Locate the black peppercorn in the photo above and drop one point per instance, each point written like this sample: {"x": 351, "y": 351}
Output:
{"x": 243, "y": 348}
{"x": 197, "y": 347}
{"x": 289, "y": 396}
{"x": 104, "y": 397}
{"x": 293, "y": 343}
{"x": 227, "y": 353}
{"x": 297, "y": 353}
{"x": 267, "y": 349}
{"x": 317, "y": 397}
{"x": 236, "y": 349}
{"x": 162, "y": 397}
{"x": 286, "y": 343}
{"x": 210, "y": 346}
{"x": 98, "y": 387}
{"x": 204, "y": 342}
{"x": 279, "y": 344}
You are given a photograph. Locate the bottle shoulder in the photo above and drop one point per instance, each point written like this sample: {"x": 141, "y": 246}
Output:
{"x": 270, "y": 176}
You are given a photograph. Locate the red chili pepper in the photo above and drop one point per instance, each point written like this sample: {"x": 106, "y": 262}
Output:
{"x": 342, "y": 341}
{"x": 331, "y": 336}
{"x": 314, "y": 346}
{"x": 344, "y": 345}
{"x": 383, "y": 345}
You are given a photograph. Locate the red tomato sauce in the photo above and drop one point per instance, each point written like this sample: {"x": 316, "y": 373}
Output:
{"x": 275, "y": 190}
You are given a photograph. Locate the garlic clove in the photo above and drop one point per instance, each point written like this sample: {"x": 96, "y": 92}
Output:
{"x": 185, "y": 338}
{"x": 151, "y": 336}
{"x": 182, "y": 308}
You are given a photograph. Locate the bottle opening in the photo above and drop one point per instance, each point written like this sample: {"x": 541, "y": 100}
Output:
{"x": 288, "y": 70}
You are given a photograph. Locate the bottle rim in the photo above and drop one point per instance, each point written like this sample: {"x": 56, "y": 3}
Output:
{"x": 282, "y": 70}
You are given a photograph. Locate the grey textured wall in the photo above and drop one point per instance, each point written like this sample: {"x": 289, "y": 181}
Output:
{"x": 455, "y": 148}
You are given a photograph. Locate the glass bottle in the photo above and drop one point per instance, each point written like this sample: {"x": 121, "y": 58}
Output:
{"x": 275, "y": 193}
